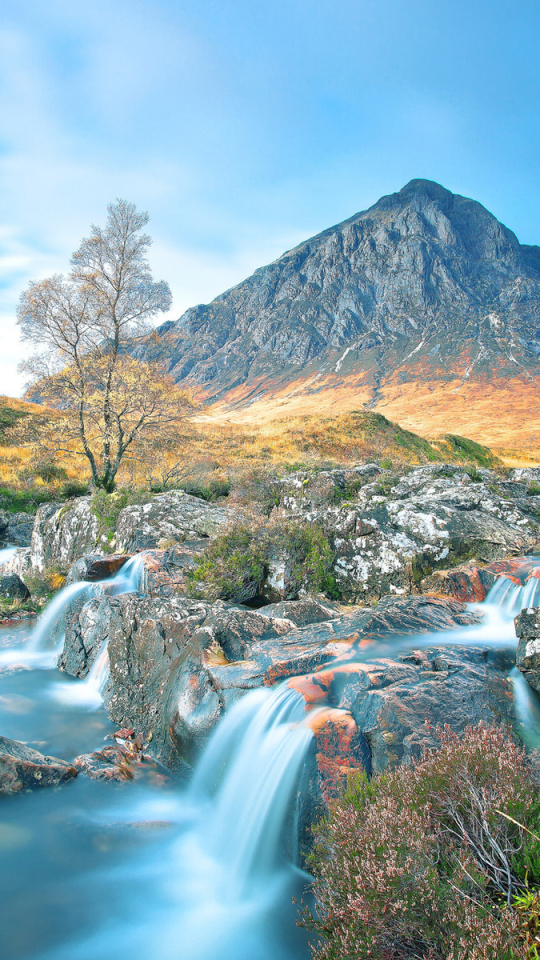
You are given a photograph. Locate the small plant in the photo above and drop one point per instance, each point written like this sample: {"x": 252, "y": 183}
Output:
{"x": 534, "y": 489}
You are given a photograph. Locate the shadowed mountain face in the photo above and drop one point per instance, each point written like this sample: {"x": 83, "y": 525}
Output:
{"x": 425, "y": 284}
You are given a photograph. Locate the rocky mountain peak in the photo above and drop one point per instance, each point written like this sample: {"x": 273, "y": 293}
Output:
{"x": 423, "y": 271}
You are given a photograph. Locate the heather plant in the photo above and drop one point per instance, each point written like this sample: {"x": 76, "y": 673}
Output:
{"x": 438, "y": 859}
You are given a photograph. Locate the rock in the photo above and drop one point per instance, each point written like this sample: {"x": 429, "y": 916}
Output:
{"x": 20, "y": 563}
{"x": 15, "y": 529}
{"x": 102, "y": 567}
{"x": 301, "y": 612}
{"x": 165, "y": 571}
{"x": 527, "y": 625}
{"x": 22, "y": 768}
{"x": 176, "y": 664}
{"x": 120, "y": 763}
{"x": 62, "y": 534}
{"x": 173, "y": 516}
{"x": 463, "y": 583}
{"x": 397, "y": 531}
{"x": 78, "y": 571}
{"x": 13, "y": 588}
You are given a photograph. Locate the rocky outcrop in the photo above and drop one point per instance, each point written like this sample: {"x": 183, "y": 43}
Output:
{"x": 62, "y": 534}
{"x": 22, "y": 768}
{"x": 423, "y": 274}
{"x": 394, "y": 531}
{"x": 528, "y": 651}
{"x": 176, "y": 665}
{"x": 168, "y": 518}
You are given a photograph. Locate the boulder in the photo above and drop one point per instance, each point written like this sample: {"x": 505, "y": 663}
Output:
{"x": 301, "y": 612}
{"x": 22, "y": 768}
{"x": 63, "y": 534}
{"x": 527, "y": 625}
{"x": 464, "y": 583}
{"x": 177, "y": 664}
{"x": 13, "y": 588}
{"x": 168, "y": 518}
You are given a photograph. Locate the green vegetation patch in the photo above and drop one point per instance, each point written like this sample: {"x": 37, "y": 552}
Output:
{"x": 9, "y": 417}
{"x": 235, "y": 565}
{"x": 464, "y": 449}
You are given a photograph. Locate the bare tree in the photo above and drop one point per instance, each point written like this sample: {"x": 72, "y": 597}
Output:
{"x": 83, "y": 326}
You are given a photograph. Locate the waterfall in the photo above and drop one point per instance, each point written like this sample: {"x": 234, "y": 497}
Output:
{"x": 7, "y": 554}
{"x": 47, "y": 639}
{"x": 513, "y": 597}
{"x": 250, "y": 769}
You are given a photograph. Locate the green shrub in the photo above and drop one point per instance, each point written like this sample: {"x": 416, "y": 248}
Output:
{"x": 533, "y": 489}
{"x": 427, "y": 861}
{"x": 45, "y": 470}
{"x": 73, "y": 488}
{"x": 106, "y": 507}
{"x": 26, "y": 500}
{"x": 236, "y": 563}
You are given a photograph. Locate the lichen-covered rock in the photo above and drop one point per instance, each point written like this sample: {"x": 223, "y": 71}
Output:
{"x": 167, "y": 517}
{"x": 397, "y": 530}
{"x": 527, "y": 625}
{"x": 63, "y": 534}
{"x": 22, "y": 768}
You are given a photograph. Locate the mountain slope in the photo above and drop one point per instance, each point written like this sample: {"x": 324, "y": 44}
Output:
{"x": 425, "y": 286}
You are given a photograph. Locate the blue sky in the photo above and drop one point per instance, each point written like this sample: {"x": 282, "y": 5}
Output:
{"x": 245, "y": 127}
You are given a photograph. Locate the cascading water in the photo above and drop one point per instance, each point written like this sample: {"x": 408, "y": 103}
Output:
{"x": 513, "y": 597}
{"x": 48, "y": 636}
{"x": 7, "y": 554}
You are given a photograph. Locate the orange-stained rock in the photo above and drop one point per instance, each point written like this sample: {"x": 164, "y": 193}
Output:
{"x": 338, "y": 746}
{"x": 106, "y": 566}
{"x": 517, "y": 569}
{"x": 313, "y": 687}
{"x": 462, "y": 583}
{"x": 334, "y": 773}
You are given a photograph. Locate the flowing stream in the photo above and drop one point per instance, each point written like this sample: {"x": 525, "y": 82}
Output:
{"x": 152, "y": 870}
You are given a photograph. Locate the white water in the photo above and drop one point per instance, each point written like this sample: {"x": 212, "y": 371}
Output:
{"x": 7, "y": 554}
{"x": 512, "y": 598}
{"x": 216, "y": 892}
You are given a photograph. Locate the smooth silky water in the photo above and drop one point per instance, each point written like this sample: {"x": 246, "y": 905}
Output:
{"x": 141, "y": 871}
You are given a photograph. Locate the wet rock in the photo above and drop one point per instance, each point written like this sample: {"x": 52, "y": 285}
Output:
{"x": 463, "y": 583}
{"x": 392, "y": 700}
{"x": 102, "y": 567}
{"x": 301, "y": 612}
{"x": 121, "y": 762}
{"x": 176, "y": 665}
{"x": 78, "y": 570}
{"x": 22, "y": 768}
{"x": 168, "y": 517}
{"x": 13, "y": 588}
{"x": 527, "y": 625}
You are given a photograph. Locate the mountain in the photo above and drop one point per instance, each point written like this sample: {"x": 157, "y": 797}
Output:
{"x": 424, "y": 288}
